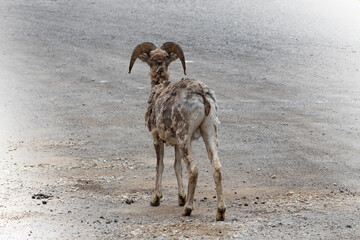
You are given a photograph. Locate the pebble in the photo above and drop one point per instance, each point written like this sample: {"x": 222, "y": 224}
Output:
{"x": 129, "y": 201}
{"x": 41, "y": 196}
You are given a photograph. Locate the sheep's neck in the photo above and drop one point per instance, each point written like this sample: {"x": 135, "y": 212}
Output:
{"x": 159, "y": 78}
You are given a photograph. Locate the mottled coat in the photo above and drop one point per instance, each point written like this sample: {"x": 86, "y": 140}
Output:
{"x": 178, "y": 113}
{"x": 171, "y": 104}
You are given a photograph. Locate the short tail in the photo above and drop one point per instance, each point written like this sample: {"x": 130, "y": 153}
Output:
{"x": 204, "y": 92}
{"x": 207, "y": 105}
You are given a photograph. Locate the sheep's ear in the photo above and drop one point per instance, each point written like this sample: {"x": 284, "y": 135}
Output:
{"x": 173, "y": 57}
{"x": 144, "y": 57}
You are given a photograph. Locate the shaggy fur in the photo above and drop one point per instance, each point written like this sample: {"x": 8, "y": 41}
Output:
{"x": 177, "y": 114}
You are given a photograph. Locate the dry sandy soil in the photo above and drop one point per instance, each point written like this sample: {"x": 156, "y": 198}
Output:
{"x": 72, "y": 128}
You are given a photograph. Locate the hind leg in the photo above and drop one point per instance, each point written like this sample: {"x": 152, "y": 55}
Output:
{"x": 157, "y": 195}
{"x": 209, "y": 134}
{"x": 178, "y": 173}
{"x": 185, "y": 153}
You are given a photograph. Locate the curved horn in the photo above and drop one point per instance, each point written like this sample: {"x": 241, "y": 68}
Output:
{"x": 171, "y": 47}
{"x": 145, "y": 47}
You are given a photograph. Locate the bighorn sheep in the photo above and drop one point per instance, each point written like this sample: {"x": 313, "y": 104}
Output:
{"x": 178, "y": 113}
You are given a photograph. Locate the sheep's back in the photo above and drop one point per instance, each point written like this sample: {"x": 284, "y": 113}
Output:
{"x": 173, "y": 107}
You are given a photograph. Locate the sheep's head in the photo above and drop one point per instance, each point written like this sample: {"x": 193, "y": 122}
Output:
{"x": 158, "y": 59}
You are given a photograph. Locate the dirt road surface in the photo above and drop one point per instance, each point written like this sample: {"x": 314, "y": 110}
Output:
{"x": 77, "y": 162}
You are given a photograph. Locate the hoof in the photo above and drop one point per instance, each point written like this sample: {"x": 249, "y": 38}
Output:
{"x": 187, "y": 211}
{"x": 181, "y": 200}
{"x": 220, "y": 214}
{"x": 155, "y": 201}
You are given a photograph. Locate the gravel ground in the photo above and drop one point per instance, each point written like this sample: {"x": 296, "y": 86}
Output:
{"x": 77, "y": 162}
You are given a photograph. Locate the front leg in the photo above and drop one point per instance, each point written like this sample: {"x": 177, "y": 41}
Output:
{"x": 157, "y": 195}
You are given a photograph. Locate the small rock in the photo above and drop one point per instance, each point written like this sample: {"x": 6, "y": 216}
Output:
{"x": 273, "y": 176}
{"x": 348, "y": 226}
{"x": 129, "y": 201}
{"x": 44, "y": 202}
{"x": 41, "y": 196}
